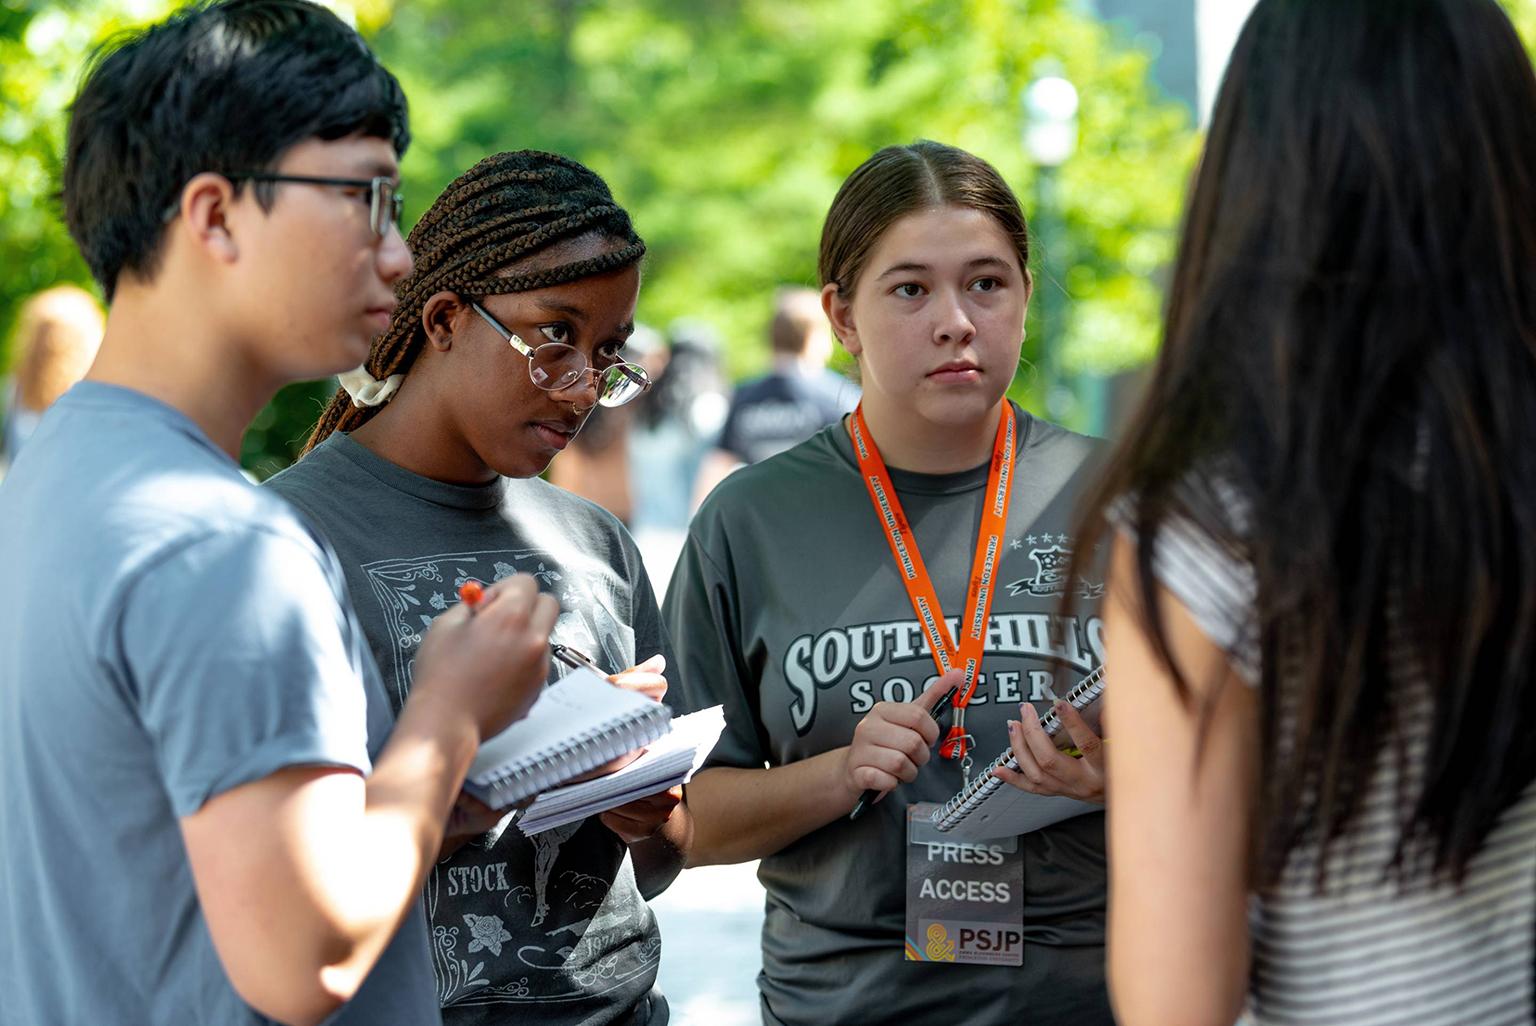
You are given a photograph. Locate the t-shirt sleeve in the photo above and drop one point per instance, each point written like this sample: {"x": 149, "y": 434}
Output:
{"x": 241, "y": 662}
{"x": 702, "y": 614}
{"x": 1216, "y": 586}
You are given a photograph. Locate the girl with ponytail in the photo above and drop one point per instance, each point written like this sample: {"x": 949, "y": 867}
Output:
{"x": 423, "y": 473}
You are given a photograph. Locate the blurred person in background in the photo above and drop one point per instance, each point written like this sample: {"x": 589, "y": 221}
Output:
{"x": 784, "y": 407}
{"x": 675, "y": 424}
{"x": 56, "y": 338}
{"x": 1321, "y": 617}
{"x": 595, "y": 465}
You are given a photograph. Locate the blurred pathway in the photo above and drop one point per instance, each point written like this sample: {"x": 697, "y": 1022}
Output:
{"x": 711, "y": 921}
{"x": 711, "y": 918}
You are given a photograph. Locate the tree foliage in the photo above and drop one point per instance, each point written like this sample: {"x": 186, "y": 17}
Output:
{"x": 724, "y": 125}
{"x": 40, "y": 67}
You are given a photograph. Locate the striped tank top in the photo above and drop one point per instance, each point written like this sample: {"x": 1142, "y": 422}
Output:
{"x": 1369, "y": 950}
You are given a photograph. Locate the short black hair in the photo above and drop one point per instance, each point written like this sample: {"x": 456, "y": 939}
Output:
{"x": 220, "y": 87}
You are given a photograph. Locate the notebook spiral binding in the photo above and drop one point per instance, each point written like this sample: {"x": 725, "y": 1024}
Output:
{"x": 982, "y": 787}
{"x": 586, "y": 751}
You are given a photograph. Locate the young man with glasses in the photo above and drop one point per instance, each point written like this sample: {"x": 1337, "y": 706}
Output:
{"x": 204, "y": 815}
{"x": 424, "y": 473}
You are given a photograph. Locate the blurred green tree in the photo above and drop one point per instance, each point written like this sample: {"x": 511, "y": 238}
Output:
{"x": 40, "y": 52}
{"x": 724, "y": 125}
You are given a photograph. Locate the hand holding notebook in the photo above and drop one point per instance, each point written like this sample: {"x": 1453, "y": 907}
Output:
{"x": 988, "y": 807}
{"x": 1069, "y": 762}
{"x": 645, "y": 678}
{"x": 671, "y": 760}
{"x": 577, "y": 725}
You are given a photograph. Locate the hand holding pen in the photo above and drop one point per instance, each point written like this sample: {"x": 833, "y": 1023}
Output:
{"x": 645, "y": 678}
{"x": 490, "y": 664}
{"x": 896, "y": 739}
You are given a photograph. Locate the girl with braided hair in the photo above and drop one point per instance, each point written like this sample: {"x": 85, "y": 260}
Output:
{"x": 423, "y": 473}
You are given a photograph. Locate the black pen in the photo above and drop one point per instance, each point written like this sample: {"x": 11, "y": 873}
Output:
{"x": 575, "y": 658}
{"x": 868, "y": 797}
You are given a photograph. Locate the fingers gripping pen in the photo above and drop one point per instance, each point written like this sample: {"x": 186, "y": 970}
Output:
{"x": 868, "y": 797}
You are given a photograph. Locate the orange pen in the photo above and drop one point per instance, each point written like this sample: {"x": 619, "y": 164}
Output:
{"x": 471, "y": 593}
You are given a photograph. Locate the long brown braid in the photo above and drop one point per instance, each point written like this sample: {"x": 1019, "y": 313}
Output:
{"x": 503, "y": 210}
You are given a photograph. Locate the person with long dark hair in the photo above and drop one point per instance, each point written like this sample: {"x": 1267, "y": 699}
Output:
{"x": 1322, "y": 608}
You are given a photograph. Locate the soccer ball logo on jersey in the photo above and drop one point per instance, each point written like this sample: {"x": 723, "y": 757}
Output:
{"x": 1052, "y": 557}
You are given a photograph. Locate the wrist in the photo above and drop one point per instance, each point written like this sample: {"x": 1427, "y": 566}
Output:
{"x": 677, "y": 829}
{"x": 848, "y": 790}
{"x": 437, "y": 716}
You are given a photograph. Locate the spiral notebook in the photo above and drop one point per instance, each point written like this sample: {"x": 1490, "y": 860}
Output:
{"x": 988, "y": 808}
{"x": 672, "y": 760}
{"x": 576, "y": 725}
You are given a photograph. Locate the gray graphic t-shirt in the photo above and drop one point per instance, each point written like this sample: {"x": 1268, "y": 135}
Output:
{"x": 787, "y": 607}
{"x": 551, "y": 929}
{"x": 168, "y": 632}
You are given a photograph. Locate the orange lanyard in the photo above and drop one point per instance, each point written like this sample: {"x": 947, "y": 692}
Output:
{"x": 914, "y": 575}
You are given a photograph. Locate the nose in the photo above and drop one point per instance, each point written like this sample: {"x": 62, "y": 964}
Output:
{"x": 581, "y": 393}
{"x": 952, "y": 321}
{"x": 394, "y": 256}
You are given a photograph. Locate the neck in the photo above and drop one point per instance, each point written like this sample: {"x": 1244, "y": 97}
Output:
{"x": 907, "y": 442}
{"x": 161, "y": 348}
{"x": 405, "y": 432}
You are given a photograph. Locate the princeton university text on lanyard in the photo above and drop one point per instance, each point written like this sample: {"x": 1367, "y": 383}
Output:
{"x": 966, "y": 650}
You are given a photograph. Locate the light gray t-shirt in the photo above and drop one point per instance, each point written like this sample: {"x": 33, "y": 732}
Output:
{"x": 787, "y": 607}
{"x": 167, "y": 632}
{"x": 548, "y": 930}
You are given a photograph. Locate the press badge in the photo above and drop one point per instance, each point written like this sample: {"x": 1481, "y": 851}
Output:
{"x": 965, "y": 900}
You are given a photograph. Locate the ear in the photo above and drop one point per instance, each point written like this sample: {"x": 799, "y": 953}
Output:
{"x": 440, "y": 316}
{"x": 839, "y": 312}
{"x": 204, "y": 219}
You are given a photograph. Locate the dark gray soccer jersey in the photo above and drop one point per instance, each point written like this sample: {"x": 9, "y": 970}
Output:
{"x": 548, "y": 930}
{"x": 788, "y": 608}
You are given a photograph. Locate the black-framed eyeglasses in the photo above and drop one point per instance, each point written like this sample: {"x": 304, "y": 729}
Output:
{"x": 385, "y": 204}
{"x": 555, "y": 366}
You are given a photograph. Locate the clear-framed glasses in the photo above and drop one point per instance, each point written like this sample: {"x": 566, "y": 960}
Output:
{"x": 385, "y": 203}
{"x": 555, "y": 366}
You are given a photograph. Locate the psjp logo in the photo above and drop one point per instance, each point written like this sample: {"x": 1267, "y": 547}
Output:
{"x": 939, "y": 947}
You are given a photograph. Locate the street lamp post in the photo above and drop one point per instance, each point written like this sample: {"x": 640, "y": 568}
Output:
{"x": 1050, "y": 138}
